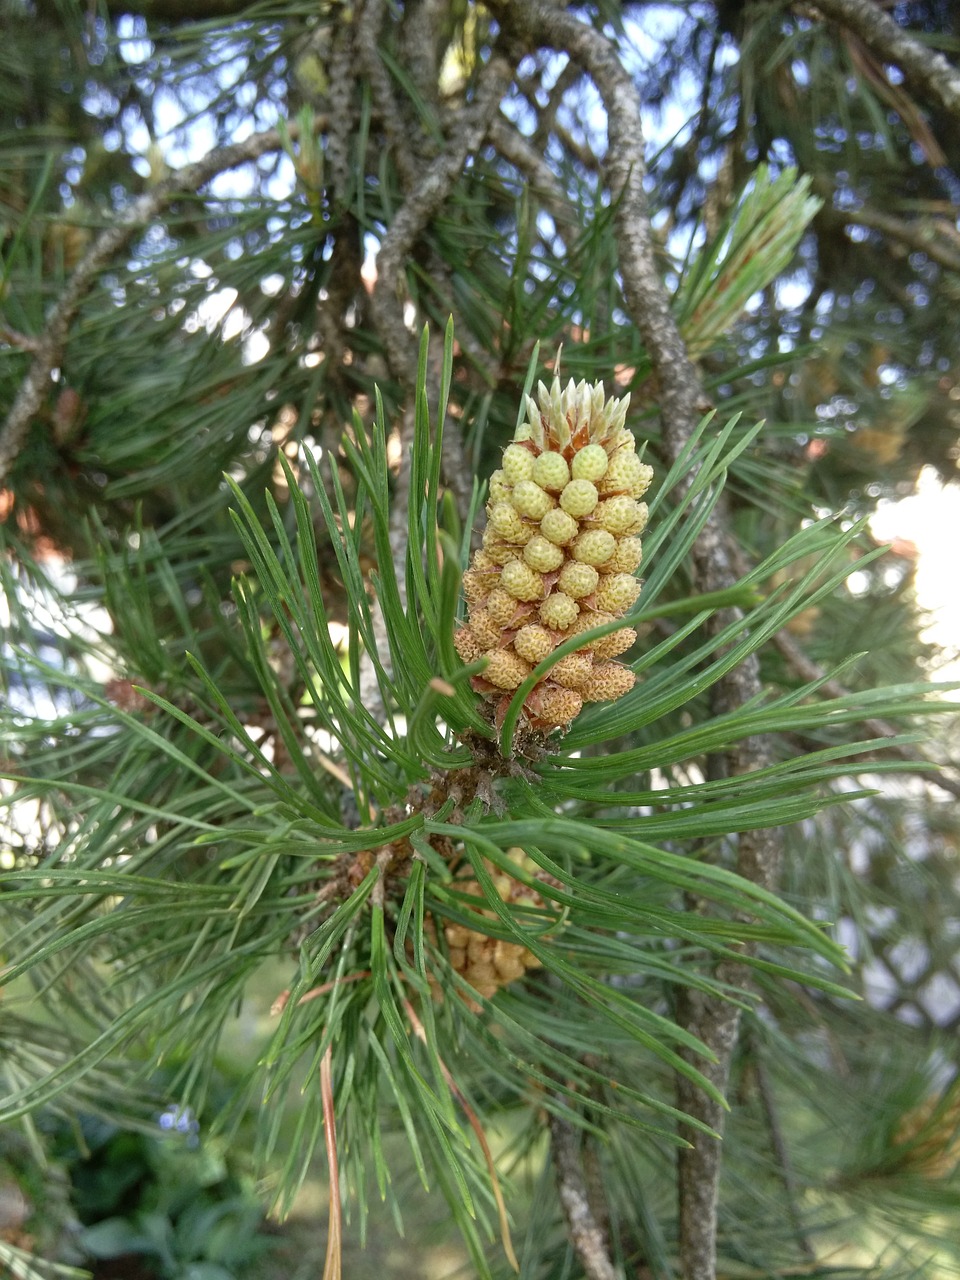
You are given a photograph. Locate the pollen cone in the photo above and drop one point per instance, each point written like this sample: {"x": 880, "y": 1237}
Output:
{"x": 560, "y": 550}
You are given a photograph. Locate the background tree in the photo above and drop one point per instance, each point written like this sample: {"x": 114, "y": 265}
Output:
{"x": 223, "y": 230}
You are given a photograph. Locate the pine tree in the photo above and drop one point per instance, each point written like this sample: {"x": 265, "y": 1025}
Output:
{"x": 425, "y": 547}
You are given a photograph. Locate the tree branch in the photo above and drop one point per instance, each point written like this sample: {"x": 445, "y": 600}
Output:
{"x": 370, "y": 21}
{"x": 424, "y": 199}
{"x": 540, "y": 178}
{"x": 586, "y": 1234}
{"x": 624, "y": 170}
{"x": 918, "y": 235}
{"x": 927, "y": 71}
{"x": 49, "y": 347}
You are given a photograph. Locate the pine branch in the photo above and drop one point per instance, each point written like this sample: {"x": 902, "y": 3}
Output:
{"x": 49, "y": 347}
{"x": 23, "y": 341}
{"x": 515, "y": 148}
{"x": 585, "y": 1232}
{"x": 370, "y": 19}
{"x": 411, "y": 219}
{"x": 919, "y": 235}
{"x": 927, "y": 71}
{"x": 424, "y": 199}
{"x": 624, "y": 171}
{"x": 421, "y": 21}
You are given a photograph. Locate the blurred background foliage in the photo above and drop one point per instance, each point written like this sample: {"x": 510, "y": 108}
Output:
{"x": 804, "y": 201}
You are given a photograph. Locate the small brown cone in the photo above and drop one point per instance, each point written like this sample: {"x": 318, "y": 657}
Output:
{"x": 491, "y": 963}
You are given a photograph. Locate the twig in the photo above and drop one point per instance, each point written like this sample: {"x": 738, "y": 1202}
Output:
{"x": 370, "y": 21}
{"x": 530, "y": 162}
{"x": 421, "y": 21}
{"x": 423, "y": 200}
{"x": 585, "y": 1232}
{"x": 916, "y": 235}
{"x": 926, "y": 70}
{"x": 547, "y": 116}
{"x": 49, "y": 348}
{"x": 624, "y": 170}
{"x": 332, "y": 1262}
{"x": 13, "y": 338}
{"x": 434, "y": 185}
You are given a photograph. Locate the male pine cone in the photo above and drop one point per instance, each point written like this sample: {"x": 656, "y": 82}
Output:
{"x": 491, "y": 963}
{"x": 560, "y": 550}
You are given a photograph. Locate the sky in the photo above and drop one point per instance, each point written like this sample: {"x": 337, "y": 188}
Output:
{"x": 930, "y": 519}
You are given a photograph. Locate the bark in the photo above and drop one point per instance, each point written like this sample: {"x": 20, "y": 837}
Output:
{"x": 586, "y": 1233}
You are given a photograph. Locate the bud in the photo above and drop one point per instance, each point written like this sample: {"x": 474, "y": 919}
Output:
{"x": 617, "y": 515}
{"x": 579, "y": 498}
{"x": 504, "y": 669}
{"x": 466, "y": 645}
{"x": 558, "y": 706}
{"x": 573, "y": 671}
{"x": 476, "y": 586}
{"x": 607, "y": 682}
{"x": 558, "y": 611}
{"x": 501, "y": 606}
{"x": 533, "y": 643}
{"x": 559, "y": 527}
{"x": 626, "y": 474}
{"x": 596, "y": 546}
{"x": 499, "y": 487}
{"x": 505, "y": 520}
{"x": 626, "y": 558}
{"x": 485, "y": 629}
{"x": 615, "y": 643}
{"x": 521, "y": 581}
{"x": 610, "y": 646}
{"x": 558, "y": 559}
{"x": 590, "y": 463}
{"x": 551, "y": 471}
{"x": 497, "y": 550}
{"x": 617, "y": 592}
{"x": 530, "y": 500}
{"x": 577, "y": 579}
{"x": 517, "y": 463}
{"x": 541, "y": 555}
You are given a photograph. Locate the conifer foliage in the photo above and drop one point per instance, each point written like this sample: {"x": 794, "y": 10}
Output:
{"x": 442, "y": 740}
